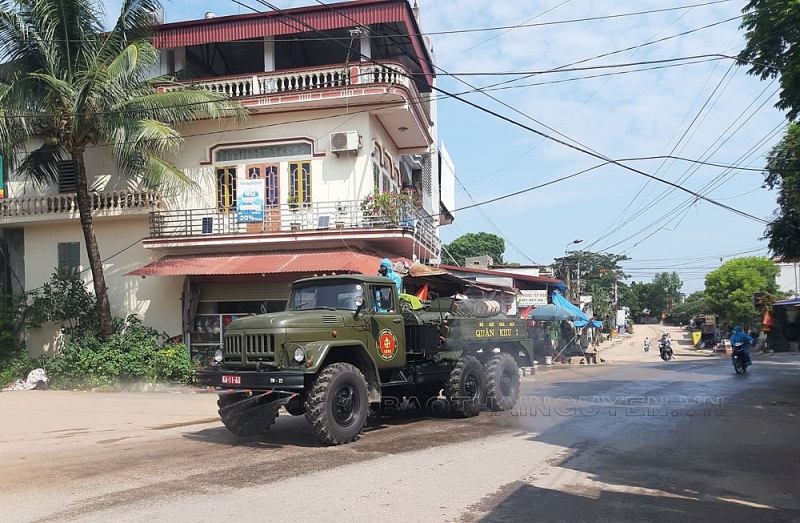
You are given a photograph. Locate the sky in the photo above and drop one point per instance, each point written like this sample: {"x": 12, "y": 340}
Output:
{"x": 558, "y": 87}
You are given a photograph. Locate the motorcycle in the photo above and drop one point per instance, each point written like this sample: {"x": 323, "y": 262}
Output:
{"x": 665, "y": 350}
{"x": 739, "y": 358}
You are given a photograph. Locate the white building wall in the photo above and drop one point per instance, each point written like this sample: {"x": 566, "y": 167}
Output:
{"x": 788, "y": 279}
{"x": 447, "y": 176}
{"x": 157, "y": 300}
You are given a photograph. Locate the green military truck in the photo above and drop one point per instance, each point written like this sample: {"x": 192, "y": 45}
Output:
{"x": 349, "y": 342}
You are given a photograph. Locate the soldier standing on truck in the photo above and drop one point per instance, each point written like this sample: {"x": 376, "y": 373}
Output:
{"x": 386, "y": 270}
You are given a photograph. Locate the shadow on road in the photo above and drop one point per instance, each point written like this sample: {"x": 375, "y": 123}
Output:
{"x": 651, "y": 448}
{"x": 529, "y": 503}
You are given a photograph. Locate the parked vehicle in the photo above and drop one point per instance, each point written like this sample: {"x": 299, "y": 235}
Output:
{"x": 347, "y": 343}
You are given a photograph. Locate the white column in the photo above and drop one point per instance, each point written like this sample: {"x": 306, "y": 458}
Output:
{"x": 269, "y": 54}
{"x": 366, "y": 48}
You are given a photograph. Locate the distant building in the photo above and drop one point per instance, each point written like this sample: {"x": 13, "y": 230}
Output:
{"x": 526, "y": 289}
{"x": 788, "y": 278}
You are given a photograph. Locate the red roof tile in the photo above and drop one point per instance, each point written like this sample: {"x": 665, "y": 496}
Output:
{"x": 341, "y": 261}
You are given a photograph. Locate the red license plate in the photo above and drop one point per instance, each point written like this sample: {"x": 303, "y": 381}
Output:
{"x": 231, "y": 380}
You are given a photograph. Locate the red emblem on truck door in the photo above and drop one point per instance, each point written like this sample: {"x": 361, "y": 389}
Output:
{"x": 387, "y": 343}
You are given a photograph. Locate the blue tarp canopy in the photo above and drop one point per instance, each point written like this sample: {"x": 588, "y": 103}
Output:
{"x": 790, "y": 301}
{"x": 558, "y": 299}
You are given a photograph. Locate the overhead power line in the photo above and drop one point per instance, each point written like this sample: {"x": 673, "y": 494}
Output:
{"x": 579, "y": 148}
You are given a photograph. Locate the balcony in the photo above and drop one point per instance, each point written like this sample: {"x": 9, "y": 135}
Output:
{"x": 318, "y": 225}
{"x": 386, "y": 87}
{"x": 65, "y": 206}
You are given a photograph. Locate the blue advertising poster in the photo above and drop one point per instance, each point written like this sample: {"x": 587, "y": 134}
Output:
{"x": 250, "y": 201}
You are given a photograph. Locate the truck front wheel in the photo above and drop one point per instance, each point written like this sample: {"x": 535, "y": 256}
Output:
{"x": 336, "y": 404}
{"x": 466, "y": 388}
{"x": 502, "y": 382}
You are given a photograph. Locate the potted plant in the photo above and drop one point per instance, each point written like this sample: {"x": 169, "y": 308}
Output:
{"x": 294, "y": 206}
{"x": 391, "y": 208}
{"x": 341, "y": 214}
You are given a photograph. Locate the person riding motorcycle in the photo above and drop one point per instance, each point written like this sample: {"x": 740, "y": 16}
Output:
{"x": 665, "y": 346}
{"x": 737, "y": 337}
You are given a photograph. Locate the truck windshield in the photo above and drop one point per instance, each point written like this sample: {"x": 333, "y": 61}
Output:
{"x": 331, "y": 296}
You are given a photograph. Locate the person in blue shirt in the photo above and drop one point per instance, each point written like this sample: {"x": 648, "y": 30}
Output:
{"x": 386, "y": 270}
{"x": 737, "y": 336}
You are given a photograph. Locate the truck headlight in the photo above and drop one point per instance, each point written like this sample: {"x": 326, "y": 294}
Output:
{"x": 299, "y": 355}
{"x": 218, "y": 356}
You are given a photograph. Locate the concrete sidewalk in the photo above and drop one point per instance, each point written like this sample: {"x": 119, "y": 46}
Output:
{"x": 38, "y": 421}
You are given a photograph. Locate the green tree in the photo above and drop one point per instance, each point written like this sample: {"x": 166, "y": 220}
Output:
{"x": 598, "y": 275}
{"x": 694, "y": 305}
{"x": 729, "y": 289}
{"x": 70, "y": 85}
{"x": 475, "y": 244}
{"x": 656, "y": 297}
{"x": 783, "y": 175}
{"x": 771, "y": 51}
{"x": 772, "y": 41}
{"x": 64, "y": 301}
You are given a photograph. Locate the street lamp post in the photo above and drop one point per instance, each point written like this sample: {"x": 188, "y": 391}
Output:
{"x": 569, "y": 287}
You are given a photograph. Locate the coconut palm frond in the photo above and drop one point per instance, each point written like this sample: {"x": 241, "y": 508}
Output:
{"x": 41, "y": 165}
{"x": 186, "y": 105}
{"x": 133, "y": 63}
{"x": 136, "y": 137}
{"x": 165, "y": 177}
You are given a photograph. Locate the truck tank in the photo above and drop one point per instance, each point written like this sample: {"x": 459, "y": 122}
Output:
{"x": 471, "y": 324}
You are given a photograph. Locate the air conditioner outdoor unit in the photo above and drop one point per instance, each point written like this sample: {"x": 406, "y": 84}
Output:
{"x": 345, "y": 141}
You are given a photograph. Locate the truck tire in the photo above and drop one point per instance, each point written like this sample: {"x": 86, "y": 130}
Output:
{"x": 246, "y": 417}
{"x": 337, "y": 403}
{"x": 466, "y": 388}
{"x": 502, "y": 382}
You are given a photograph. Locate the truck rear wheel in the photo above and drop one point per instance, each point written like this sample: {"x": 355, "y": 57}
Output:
{"x": 502, "y": 382}
{"x": 466, "y": 388}
{"x": 337, "y": 402}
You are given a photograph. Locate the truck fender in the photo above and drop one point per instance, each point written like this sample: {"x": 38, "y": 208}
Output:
{"x": 345, "y": 351}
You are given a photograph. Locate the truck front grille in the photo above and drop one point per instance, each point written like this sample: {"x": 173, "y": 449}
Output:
{"x": 255, "y": 347}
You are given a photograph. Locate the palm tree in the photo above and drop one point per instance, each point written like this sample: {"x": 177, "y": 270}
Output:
{"x": 68, "y": 86}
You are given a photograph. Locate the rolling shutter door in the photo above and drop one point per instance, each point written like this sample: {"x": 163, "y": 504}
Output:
{"x": 244, "y": 291}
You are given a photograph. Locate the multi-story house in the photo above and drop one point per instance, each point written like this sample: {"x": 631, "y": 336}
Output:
{"x": 342, "y": 107}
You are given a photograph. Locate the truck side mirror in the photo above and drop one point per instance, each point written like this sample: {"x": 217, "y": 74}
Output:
{"x": 359, "y": 302}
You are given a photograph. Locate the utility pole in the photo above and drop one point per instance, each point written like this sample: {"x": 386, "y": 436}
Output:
{"x": 570, "y": 290}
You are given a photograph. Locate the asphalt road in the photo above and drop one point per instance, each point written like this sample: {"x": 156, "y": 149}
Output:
{"x": 635, "y": 439}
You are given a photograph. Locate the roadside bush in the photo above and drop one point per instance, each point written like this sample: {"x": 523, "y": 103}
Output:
{"x": 14, "y": 361}
{"x": 14, "y": 367}
{"x": 65, "y": 301}
{"x": 134, "y": 354}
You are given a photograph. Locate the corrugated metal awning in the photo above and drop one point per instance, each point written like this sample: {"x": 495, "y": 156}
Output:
{"x": 306, "y": 262}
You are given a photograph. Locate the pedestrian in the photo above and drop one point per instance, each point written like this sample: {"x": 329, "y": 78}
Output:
{"x": 646, "y": 344}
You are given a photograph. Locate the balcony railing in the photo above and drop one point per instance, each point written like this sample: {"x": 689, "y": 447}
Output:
{"x": 66, "y": 205}
{"x": 286, "y": 218}
{"x": 325, "y": 77}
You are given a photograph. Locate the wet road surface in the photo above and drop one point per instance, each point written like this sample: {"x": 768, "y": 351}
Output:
{"x": 634, "y": 440}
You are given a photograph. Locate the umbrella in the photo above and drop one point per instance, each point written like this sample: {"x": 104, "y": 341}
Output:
{"x": 553, "y": 313}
